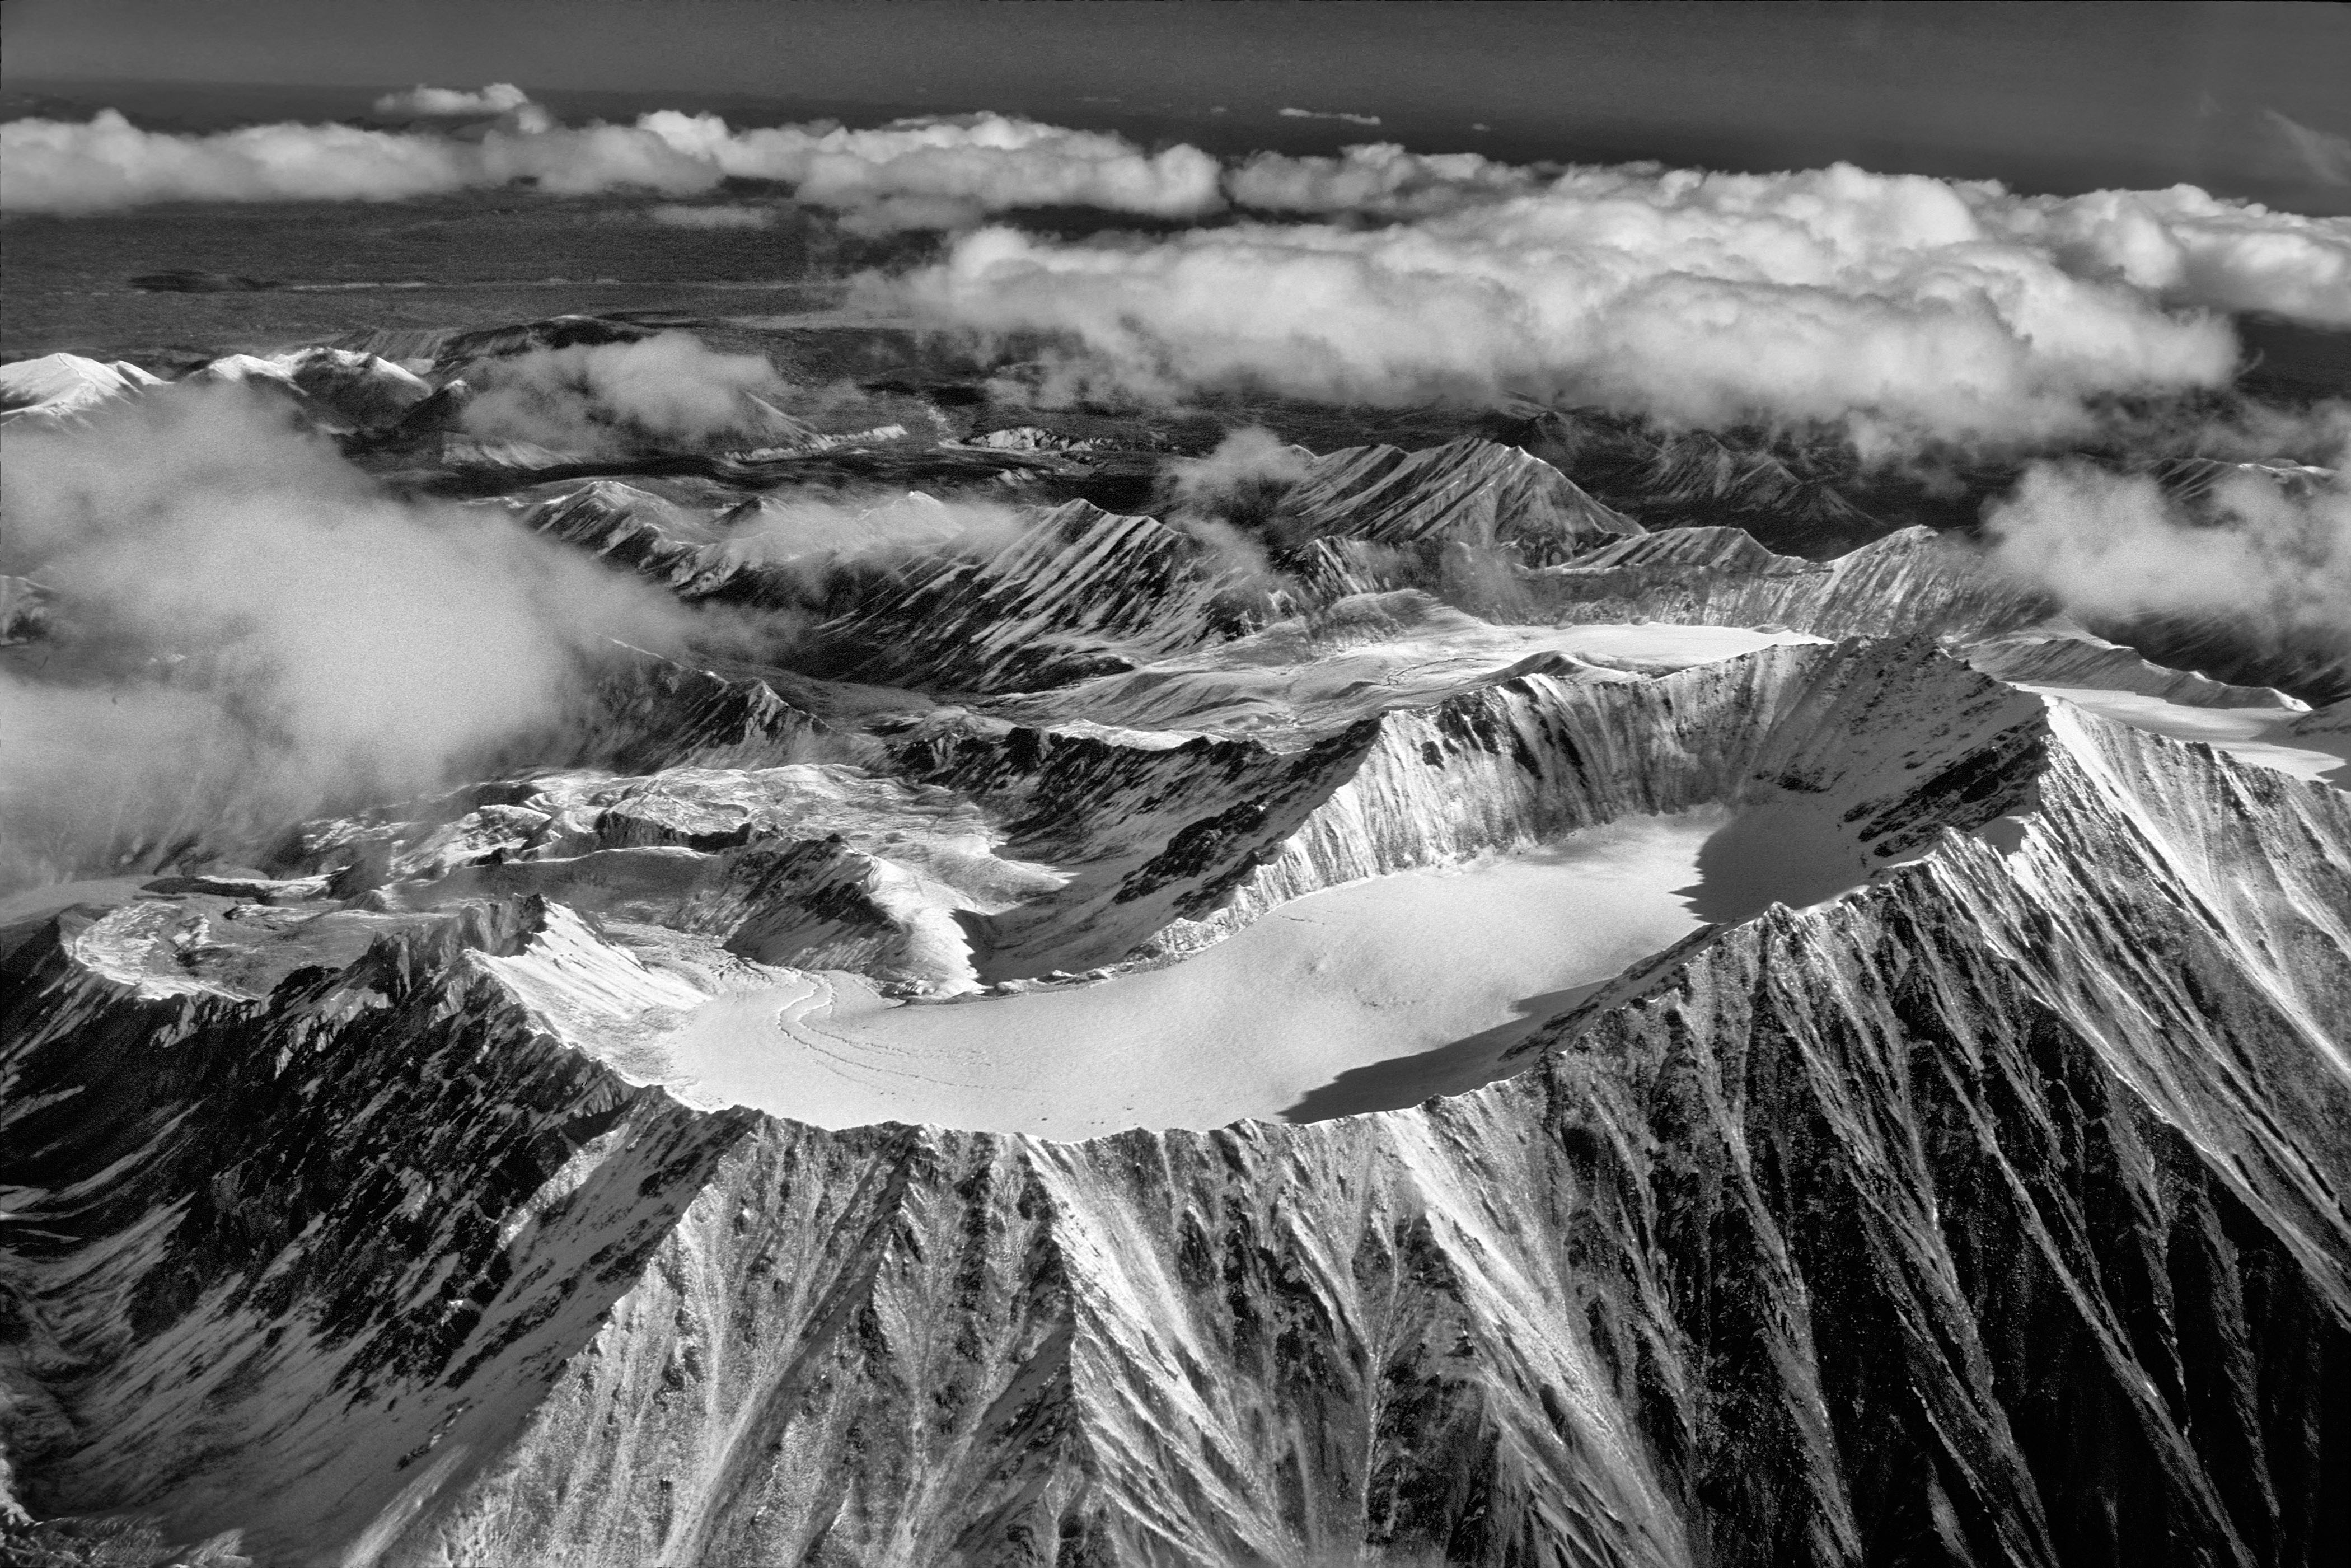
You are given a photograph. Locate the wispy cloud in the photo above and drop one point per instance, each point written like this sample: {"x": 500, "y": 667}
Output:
{"x": 247, "y": 631}
{"x": 669, "y": 389}
{"x": 1370, "y": 119}
{"x": 2113, "y": 545}
{"x": 2324, "y": 155}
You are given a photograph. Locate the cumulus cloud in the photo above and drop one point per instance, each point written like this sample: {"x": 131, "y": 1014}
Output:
{"x": 245, "y": 631}
{"x": 610, "y": 398}
{"x": 1705, "y": 300}
{"x": 2186, "y": 246}
{"x": 2266, "y": 554}
{"x": 106, "y": 163}
{"x": 731, "y": 215}
{"x": 1914, "y": 305}
{"x": 498, "y": 97}
{"x": 948, "y": 173}
{"x": 1370, "y": 119}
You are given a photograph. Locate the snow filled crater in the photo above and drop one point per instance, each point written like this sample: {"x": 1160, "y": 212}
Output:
{"x": 1365, "y": 997}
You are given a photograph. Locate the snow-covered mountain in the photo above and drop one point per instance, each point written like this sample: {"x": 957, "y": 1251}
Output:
{"x": 1432, "y": 1023}
{"x": 58, "y": 388}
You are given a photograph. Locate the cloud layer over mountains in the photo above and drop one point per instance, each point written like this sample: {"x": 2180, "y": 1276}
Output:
{"x": 932, "y": 174}
{"x": 247, "y": 629}
{"x": 106, "y": 163}
{"x": 1908, "y": 308}
{"x": 946, "y": 173}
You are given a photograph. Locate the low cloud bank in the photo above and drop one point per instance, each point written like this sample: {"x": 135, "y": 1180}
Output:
{"x": 2186, "y": 248}
{"x": 246, "y": 632}
{"x": 498, "y": 97}
{"x": 1917, "y": 246}
{"x": 107, "y": 163}
{"x": 2268, "y": 556}
{"x": 2182, "y": 246}
{"x": 946, "y": 173}
{"x": 937, "y": 173}
{"x": 1908, "y": 307}
{"x": 608, "y": 397}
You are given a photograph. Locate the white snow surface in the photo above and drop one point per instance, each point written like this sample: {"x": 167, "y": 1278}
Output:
{"x": 2267, "y": 737}
{"x": 1378, "y": 993}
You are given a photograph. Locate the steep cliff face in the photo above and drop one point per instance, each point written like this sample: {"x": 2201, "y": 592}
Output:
{"x": 1081, "y": 591}
{"x": 1879, "y": 744}
{"x": 1989, "y": 1213}
{"x": 1477, "y": 493}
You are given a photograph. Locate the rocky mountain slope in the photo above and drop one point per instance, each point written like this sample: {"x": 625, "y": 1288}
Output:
{"x": 2010, "y": 1172}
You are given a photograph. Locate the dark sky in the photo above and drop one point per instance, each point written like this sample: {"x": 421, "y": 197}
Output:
{"x": 2245, "y": 99}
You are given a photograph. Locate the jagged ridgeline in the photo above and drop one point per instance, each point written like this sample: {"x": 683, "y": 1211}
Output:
{"x": 1418, "y": 1017}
